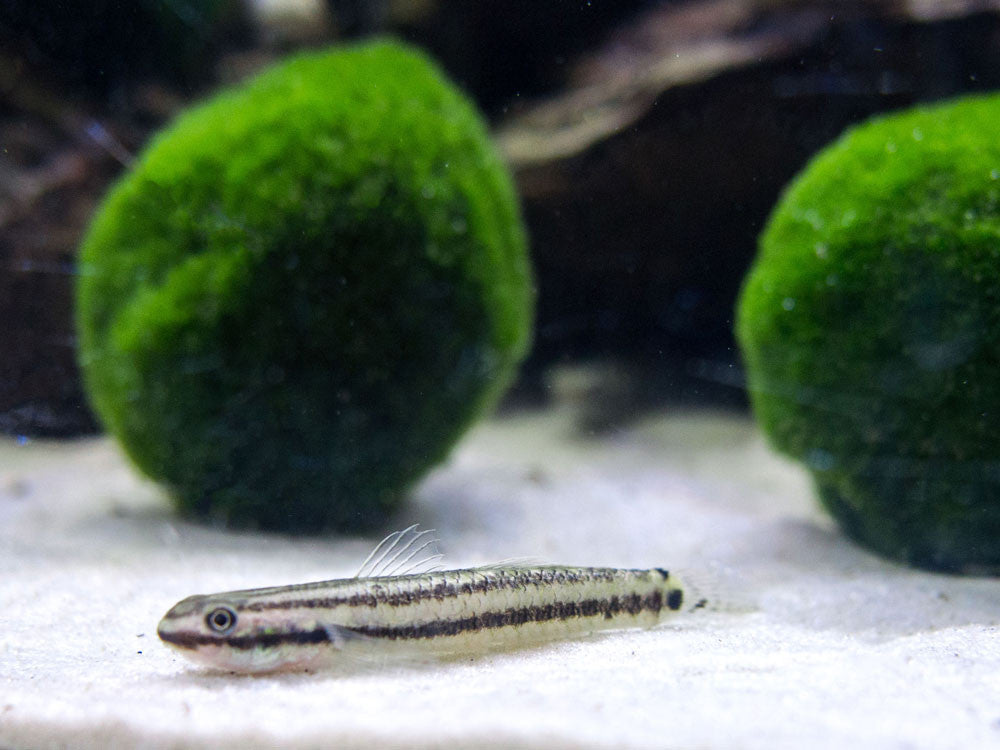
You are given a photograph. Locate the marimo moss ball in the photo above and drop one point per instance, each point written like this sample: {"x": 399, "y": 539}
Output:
{"x": 870, "y": 328}
{"x": 305, "y": 291}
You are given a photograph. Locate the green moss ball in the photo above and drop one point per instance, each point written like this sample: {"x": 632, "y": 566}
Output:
{"x": 870, "y": 328}
{"x": 305, "y": 291}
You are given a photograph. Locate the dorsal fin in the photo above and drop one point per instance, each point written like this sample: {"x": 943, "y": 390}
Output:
{"x": 395, "y": 554}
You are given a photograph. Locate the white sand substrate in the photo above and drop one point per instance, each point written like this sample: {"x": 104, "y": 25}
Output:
{"x": 823, "y": 646}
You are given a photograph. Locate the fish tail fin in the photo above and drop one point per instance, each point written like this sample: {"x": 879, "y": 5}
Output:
{"x": 716, "y": 588}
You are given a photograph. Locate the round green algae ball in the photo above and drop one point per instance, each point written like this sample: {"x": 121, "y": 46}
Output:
{"x": 305, "y": 291}
{"x": 870, "y": 328}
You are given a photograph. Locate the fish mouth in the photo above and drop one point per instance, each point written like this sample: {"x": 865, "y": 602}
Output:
{"x": 177, "y": 638}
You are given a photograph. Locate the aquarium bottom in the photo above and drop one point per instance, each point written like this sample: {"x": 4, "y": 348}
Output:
{"x": 821, "y": 645}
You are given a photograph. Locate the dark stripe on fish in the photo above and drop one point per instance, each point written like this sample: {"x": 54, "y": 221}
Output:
{"x": 632, "y": 604}
{"x": 243, "y": 642}
{"x": 412, "y": 593}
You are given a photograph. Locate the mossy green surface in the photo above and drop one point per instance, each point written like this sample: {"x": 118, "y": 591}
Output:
{"x": 870, "y": 328}
{"x": 306, "y": 290}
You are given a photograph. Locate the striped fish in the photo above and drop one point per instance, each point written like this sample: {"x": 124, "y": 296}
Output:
{"x": 388, "y": 611}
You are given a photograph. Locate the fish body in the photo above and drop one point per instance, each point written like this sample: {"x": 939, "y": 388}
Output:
{"x": 437, "y": 614}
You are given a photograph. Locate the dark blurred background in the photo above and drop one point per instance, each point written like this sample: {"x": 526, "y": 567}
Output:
{"x": 649, "y": 141}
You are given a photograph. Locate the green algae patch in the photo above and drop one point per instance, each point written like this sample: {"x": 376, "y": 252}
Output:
{"x": 305, "y": 291}
{"x": 870, "y": 328}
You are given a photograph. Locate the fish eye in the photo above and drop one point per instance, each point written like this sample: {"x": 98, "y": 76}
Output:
{"x": 221, "y": 620}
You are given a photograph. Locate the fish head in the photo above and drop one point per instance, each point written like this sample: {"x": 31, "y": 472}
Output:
{"x": 230, "y": 633}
